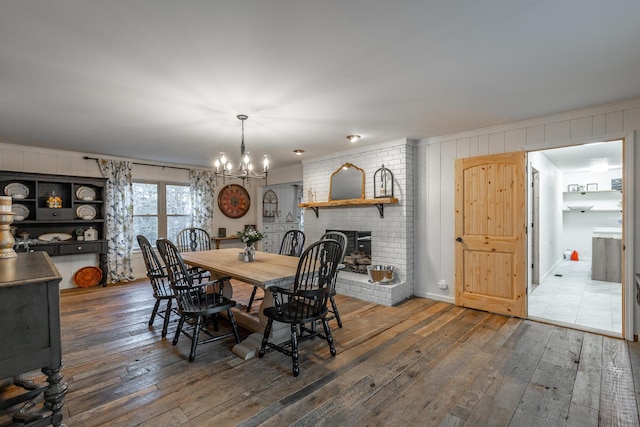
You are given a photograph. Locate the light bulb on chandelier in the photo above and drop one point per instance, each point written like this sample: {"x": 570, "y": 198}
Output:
{"x": 244, "y": 170}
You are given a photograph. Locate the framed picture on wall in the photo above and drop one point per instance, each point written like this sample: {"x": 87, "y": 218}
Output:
{"x": 572, "y": 187}
{"x": 592, "y": 187}
{"x": 616, "y": 184}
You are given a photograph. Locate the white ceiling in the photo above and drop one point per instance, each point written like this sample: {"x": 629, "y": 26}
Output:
{"x": 598, "y": 156}
{"x": 164, "y": 80}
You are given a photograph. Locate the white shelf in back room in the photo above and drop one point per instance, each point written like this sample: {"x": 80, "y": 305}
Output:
{"x": 592, "y": 201}
{"x": 589, "y": 193}
{"x": 591, "y": 210}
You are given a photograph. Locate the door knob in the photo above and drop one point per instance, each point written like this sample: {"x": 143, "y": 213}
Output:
{"x": 459, "y": 239}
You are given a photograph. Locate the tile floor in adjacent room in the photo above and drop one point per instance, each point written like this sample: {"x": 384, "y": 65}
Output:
{"x": 569, "y": 296}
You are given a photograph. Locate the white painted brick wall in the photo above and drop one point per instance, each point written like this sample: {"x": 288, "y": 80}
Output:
{"x": 392, "y": 236}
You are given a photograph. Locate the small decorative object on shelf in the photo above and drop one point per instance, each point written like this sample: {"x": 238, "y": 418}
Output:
{"x": 54, "y": 201}
{"x": 382, "y": 183}
{"x": 572, "y": 187}
{"x": 79, "y": 232}
{"x": 592, "y": 187}
{"x": 6, "y": 238}
{"x": 90, "y": 234}
{"x": 249, "y": 236}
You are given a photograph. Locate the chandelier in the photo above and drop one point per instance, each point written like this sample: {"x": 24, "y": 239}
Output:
{"x": 244, "y": 168}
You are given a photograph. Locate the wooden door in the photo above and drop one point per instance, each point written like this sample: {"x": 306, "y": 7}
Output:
{"x": 490, "y": 225}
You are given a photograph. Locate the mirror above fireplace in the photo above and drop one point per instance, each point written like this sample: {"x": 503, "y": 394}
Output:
{"x": 347, "y": 183}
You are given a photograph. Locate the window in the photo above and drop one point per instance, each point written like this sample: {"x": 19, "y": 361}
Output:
{"x": 160, "y": 210}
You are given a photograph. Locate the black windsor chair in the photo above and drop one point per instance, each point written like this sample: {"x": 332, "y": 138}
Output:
{"x": 306, "y": 302}
{"x": 195, "y": 301}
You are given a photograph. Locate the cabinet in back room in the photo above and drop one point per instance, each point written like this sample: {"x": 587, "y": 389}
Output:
{"x": 280, "y": 213}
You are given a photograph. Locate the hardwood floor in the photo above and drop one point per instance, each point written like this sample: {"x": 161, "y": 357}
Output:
{"x": 420, "y": 363}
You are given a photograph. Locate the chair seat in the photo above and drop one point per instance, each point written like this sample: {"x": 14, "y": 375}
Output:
{"x": 292, "y": 313}
{"x": 208, "y": 304}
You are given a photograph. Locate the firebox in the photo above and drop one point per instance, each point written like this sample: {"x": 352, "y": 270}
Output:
{"x": 358, "y": 253}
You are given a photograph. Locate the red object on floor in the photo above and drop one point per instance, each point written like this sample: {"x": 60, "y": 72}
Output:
{"x": 574, "y": 256}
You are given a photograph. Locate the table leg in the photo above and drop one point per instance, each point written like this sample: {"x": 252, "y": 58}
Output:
{"x": 280, "y": 332}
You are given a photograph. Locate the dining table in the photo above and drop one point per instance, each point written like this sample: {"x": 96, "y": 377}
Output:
{"x": 267, "y": 270}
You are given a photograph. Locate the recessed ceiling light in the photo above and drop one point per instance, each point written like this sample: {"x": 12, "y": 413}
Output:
{"x": 298, "y": 152}
{"x": 353, "y": 138}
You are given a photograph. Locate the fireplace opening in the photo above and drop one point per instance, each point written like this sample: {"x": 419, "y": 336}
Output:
{"x": 358, "y": 254}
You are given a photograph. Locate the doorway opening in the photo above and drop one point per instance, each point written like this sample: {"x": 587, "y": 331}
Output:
{"x": 575, "y": 243}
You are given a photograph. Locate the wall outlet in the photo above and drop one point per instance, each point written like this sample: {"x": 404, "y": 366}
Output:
{"x": 442, "y": 284}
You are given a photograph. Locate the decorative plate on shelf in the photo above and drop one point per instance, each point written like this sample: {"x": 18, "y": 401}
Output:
{"x": 85, "y": 193}
{"x": 234, "y": 201}
{"x": 21, "y": 212}
{"x": 54, "y": 237}
{"x": 86, "y": 212}
{"x": 16, "y": 190}
{"x": 87, "y": 277}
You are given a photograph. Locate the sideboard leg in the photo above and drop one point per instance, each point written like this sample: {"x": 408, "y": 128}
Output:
{"x": 54, "y": 394}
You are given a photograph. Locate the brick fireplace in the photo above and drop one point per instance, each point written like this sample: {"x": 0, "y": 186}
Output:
{"x": 391, "y": 238}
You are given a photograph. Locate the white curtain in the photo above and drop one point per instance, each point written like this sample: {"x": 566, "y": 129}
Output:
{"x": 202, "y": 183}
{"x": 118, "y": 218}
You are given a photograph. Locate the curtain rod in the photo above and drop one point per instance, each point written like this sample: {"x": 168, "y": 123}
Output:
{"x": 143, "y": 164}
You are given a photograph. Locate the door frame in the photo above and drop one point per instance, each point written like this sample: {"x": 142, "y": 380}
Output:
{"x": 628, "y": 214}
{"x": 534, "y": 231}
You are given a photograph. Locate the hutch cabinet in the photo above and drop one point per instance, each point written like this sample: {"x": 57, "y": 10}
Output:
{"x": 53, "y": 210}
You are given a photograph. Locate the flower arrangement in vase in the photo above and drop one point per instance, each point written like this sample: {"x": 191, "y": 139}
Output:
{"x": 250, "y": 236}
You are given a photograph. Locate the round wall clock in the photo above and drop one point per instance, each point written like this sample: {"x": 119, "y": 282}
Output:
{"x": 234, "y": 201}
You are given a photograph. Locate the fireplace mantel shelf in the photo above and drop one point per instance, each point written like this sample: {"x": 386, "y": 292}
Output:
{"x": 379, "y": 203}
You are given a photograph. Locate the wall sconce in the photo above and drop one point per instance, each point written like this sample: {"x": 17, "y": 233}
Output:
{"x": 382, "y": 183}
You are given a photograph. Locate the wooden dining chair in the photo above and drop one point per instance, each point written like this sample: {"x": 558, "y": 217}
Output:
{"x": 306, "y": 302}
{"x": 159, "y": 280}
{"x": 196, "y": 301}
{"x": 193, "y": 239}
{"x": 342, "y": 239}
{"x": 292, "y": 245}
